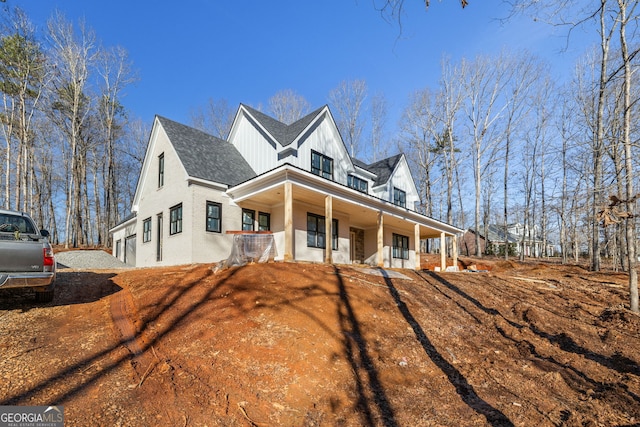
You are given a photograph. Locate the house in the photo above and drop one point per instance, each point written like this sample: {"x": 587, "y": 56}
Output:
{"x": 517, "y": 236}
{"x": 295, "y": 181}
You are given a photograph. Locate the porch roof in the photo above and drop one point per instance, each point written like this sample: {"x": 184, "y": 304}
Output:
{"x": 268, "y": 189}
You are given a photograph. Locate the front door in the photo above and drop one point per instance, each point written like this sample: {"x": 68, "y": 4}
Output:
{"x": 356, "y": 245}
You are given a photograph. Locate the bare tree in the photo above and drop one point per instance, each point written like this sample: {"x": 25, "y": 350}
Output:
{"x": 288, "y": 106}
{"x": 394, "y": 9}
{"x": 215, "y": 118}
{"x": 627, "y": 15}
{"x": 23, "y": 75}
{"x": 419, "y": 128}
{"x": 379, "y": 112}
{"x": 348, "y": 101}
{"x": 527, "y": 70}
{"x": 116, "y": 73}
{"x": 484, "y": 80}
{"x": 73, "y": 55}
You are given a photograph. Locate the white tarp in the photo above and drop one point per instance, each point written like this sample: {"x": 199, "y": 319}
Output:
{"x": 249, "y": 248}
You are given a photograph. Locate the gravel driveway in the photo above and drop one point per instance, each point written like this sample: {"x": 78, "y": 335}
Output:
{"x": 96, "y": 259}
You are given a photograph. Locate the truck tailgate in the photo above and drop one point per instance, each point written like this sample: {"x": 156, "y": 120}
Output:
{"x": 21, "y": 255}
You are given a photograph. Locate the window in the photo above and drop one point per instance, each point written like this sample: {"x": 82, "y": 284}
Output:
{"x": 399, "y": 197}
{"x": 146, "y": 230}
{"x": 175, "y": 219}
{"x": 357, "y": 183}
{"x": 118, "y": 243}
{"x": 321, "y": 165}
{"x": 214, "y": 217}
{"x": 160, "y": 170}
{"x": 264, "y": 221}
{"x": 400, "y": 246}
{"x": 248, "y": 218}
{"x": 316, "y": 235}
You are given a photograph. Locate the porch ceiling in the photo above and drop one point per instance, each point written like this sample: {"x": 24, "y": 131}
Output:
{"x": 361, "y": 209}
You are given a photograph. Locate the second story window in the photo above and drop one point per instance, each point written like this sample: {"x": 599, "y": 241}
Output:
{"x": 399, "y": 197}
{"x": 160, "y": 170}
{"x": 357, "y": 183}
{"x": 321, "y": 165}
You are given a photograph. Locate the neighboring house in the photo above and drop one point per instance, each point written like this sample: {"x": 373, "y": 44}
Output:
{"x": 517, "y": 236}
{"x": 295, "y": 181}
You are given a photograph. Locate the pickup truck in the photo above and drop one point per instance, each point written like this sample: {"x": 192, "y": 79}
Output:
{"x": 26, "y": 256}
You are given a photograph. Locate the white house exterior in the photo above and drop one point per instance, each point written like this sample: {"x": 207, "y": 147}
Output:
{"x": 296, "y": 181}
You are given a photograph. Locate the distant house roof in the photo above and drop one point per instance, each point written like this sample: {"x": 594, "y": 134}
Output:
{"x": 497, "y": 234}
{"x": 283, "y": 133}
{"x": 206, "y": 157}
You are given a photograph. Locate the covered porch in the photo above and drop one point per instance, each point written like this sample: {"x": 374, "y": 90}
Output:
{"x": 356, "y": 228}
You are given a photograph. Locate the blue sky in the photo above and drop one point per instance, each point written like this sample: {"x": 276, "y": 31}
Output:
{"x": 247, "y": 50}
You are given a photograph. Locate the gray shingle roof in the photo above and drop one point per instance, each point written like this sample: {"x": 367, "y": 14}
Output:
{"x": 206, "y": 157}
{"x": 384, "y": 168}
{"x": 284, "y": 134}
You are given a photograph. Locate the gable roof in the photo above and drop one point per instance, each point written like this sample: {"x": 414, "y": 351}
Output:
{"x": 283, "y": 133}
{"x": 206, "y": 157}
{"x": 384, "y": 168}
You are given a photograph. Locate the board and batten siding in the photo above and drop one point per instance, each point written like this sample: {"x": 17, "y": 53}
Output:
{"x": 252, "y": 144}
{"x": 402, "y": 180}
{"x": 324, "y": 140}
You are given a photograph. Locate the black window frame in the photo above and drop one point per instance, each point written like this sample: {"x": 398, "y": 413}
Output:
{"x": 357, "y": 183}
{"x": 316, "y": 238}
{"x": 400, "y": 246}
{"x": 146, "y": 230}
{"x": 253, "y": 220}
{"x": 175, "y": 219}
{"x": 320, "y": 168}
{"x": 261, "y": 226}
{"x": 161, "y": 170}
{"x": 399, "y": 197}
{"x": 209, "y": 218}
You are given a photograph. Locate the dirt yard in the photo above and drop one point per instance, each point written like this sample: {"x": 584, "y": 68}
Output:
{"x": 317, "y": 345}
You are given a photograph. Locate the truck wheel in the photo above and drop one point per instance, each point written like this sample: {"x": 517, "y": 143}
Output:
{"x": 44, "y": 296}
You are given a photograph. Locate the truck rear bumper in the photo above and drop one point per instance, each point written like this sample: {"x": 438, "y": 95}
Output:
{"x": 26, "y": 280}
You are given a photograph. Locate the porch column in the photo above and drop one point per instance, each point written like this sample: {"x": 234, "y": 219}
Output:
{"x": 416, "y": 233}
{"x": 443, "y": 252}
{"x": 288, "y": 222}
{"x": 328, "y": 229}
{"x": 455, "y": 250}
{"x": 380, "y": 253}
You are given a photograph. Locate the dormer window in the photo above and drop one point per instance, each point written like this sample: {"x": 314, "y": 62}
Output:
{"x": 321, "y": 165}
{"x": 399, "y": 197}
{"x": 357, "y": 183}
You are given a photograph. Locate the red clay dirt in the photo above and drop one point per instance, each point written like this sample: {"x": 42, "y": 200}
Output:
{"x": 295, "y": 344}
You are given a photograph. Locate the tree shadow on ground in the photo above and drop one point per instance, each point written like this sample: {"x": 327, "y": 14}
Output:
{"x": 109, "y": 359}
{"x": 70, "y": 288}
{"x": 494, "y": 416}
{"x": 577, "y": 379}
{"x": 372, "y": 398}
